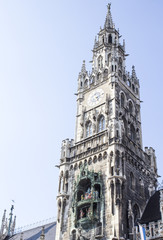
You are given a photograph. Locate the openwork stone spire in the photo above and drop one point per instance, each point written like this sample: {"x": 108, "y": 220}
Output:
{"x": 109, "y": 21}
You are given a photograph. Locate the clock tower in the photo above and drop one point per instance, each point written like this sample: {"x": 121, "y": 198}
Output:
{"x": 105, "y": 176}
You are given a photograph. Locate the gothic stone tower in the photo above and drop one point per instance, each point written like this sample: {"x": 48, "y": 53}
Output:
{"x": 105, "y": 176}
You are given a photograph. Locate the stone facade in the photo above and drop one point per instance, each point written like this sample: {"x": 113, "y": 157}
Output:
{"x": 105, "y": 176}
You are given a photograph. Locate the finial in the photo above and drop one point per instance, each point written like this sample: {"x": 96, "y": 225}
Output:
{"x": 133, "y": 72}
{"x": 83, "y": 69}
{"x": 109, "y": 6}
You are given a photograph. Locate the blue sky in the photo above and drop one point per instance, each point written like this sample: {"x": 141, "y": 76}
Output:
{"x": 42, "y": 46}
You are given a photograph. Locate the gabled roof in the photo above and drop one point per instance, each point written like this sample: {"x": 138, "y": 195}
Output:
{"x": 152, "y": 211}
{"x": 35, "y": 233}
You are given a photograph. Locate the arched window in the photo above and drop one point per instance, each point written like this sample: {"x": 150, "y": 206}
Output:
{"x": 98, "y": 76}
{"x": 88, "y": 129}
{"x": 110, "y": 38}
{"x": 101, "y": 124}
{"x": 109, "y": 58}
{"x": 120, "y": 62}
{"x": 130, "y": 107}
{"x": 100, "y": 59}
{"x": 118, "y": 188}
{"x": 122, "y": 100}
{"x": 106, "y": 72}
{"x": 74, "y": 235}
{"x": 133, "y": 133}
{"x": 86, "y": 83}
{"x": 136, "y": 213}
{"x": 129, "y": 83}
{"x": 132, "y": 182}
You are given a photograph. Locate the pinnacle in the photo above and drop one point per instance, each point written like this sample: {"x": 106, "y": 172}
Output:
{"x": 83, "y": 69}
{"x": 109, "y": 21}
{"x": 133, "y": 72}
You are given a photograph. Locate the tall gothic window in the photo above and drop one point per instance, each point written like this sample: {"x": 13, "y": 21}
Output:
{"x": 101, "y": 124}
{"x": 132, "y": 182}
{"x": 122, "y": 100}
{"x": 88, "y": 129}
{"x": 136, "y": 213}
{"x": 130, "y": 107}
{"x": 133, "y": 133}
{"x": 110, "y": 38}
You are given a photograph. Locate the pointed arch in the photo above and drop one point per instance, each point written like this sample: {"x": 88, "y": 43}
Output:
{"x": 101, "y": 123}
{"x": 133, "y": 133}
{"x": 100, "y": 62}
{"x": 110, "y": 38}
{"x": 73, "y": 234}
{"x": 88, "y": 129}
{"x": 130, "y": 106}
{"x": 136, "y": 212}
{"x": 132, "y": 181}
{"x": 122, "y": 99}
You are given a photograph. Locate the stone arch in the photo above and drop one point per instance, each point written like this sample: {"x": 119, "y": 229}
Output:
{"x": 71, "y": 167}
{"x": 100, "y": 62}
{"x": 86, "y": 83}
{"x": 105, "y": 72}
{"x": 85, "y": 162}
{"x": 105, "y": 155}
{"x": 90, "y": 161}
{"x": 100, "y": 157}
{"x": 100, "y": 123}
{"x": 95, "y": 159}
{"x": 132, "y": 133}
{"x": 120, "y": 62}
{"x": 73, "y": 234}
{"x": 108, "y": 58}
{"x": 132, "y": 181}
{"x": 128, "y": 83}
{"x": 88, "y": 127}
{"x": 122, "y": 99}
{"x": 75, "y": 166}
{"x": 110, "y": 38}
{"x": 136, "y": 212}
{"x": 80, "y": 164}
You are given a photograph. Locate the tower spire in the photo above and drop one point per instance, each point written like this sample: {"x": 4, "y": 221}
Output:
{"x": 108, "y": 20}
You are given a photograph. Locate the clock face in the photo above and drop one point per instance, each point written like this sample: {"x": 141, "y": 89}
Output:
{"x": 95, "y": 97}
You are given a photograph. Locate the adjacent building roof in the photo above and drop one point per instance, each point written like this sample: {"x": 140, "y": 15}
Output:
{"x": 35, "y": 233}
{"x": 152, "y": 211}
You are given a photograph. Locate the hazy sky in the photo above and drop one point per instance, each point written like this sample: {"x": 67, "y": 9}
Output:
{"x": 42, "y": 46}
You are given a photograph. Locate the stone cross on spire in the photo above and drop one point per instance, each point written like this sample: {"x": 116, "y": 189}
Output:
{"x": 109, "y": 21}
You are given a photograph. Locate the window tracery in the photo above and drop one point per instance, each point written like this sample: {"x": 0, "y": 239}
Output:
{"x": 101, "y": 123}
{"x": 88, "y": 129}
